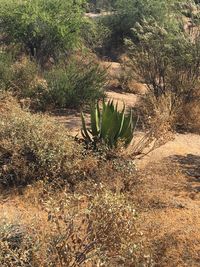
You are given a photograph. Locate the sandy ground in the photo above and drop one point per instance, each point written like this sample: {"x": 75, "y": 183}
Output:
{"x": 73, "y": 121}
{"x": 182, "y": 144}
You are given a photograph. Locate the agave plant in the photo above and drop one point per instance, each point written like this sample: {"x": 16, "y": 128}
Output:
{"x": 109, "y": 125}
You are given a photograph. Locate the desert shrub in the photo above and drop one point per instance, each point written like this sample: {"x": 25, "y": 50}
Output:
{"x": 159, "y": 112}
{"x": 94, "y": 33}
{"x": 14, "y": 245}
{"x": 126, "y": 78}
{"x": 98, "y": 5}
{"x": 25, "y": 78}
{"x": 104, "y": 220}
{"x": 129, "y": 12}
{"x": 75, "y": 84}
{"x": 6, "y": 73}
{"x": 43, "y": 28}
{"x": 21, "y": 76}
{"x": 167, "y": 61}
{"x": 188, "y": 117}
{"x": 32, "y": 147}
{"x": 113, "y": 222}
{"x": 78, "y": 229}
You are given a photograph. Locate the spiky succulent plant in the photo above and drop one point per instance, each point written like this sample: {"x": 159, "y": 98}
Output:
{"x": 109, "y": 124}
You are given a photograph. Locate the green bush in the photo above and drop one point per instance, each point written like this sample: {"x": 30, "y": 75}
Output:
{"x": 98, "y": 5}
{"x": 70, "y": 85}
{"x": 129, "y": 12}
{"x": 43, "y": 28}
{"x": 166, "y": 58}
{"x": 32, "y": 147}
{"x": 75, "y": 84}
{"x": 6, "y": 73}
{"x": 94, "y": 34}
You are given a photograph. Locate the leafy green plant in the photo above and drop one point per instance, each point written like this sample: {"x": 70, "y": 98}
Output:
{"x": 109, "y": 125}
{"x": 6, "y": 73}
{"x": 166, "y": 59}
{"x": 74, "y": 85}
{"x": 129, "y": 12}
{"x": 43, "y": 28}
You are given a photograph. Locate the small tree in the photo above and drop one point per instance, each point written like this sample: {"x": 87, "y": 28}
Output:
{"x": 166, "y": 58}
{"x": 129, "y": 12}
{"x": 43, "y": 28}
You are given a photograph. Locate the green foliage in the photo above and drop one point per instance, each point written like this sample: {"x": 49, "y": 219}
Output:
{"x": 109, "y": 125}
{"x": 129, "y": 12}
{"x": 165, "y": 58}
{"x": 75, "y": 84}
{"x": 94, "y": 33}
{"x": 6, "y": 73}
{"x": 98, "y": 5}
{"x": 69, "y": 85}
{"x": 43, "y": 28}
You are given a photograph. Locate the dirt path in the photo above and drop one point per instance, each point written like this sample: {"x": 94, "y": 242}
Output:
{"x": 182, "y": 144}
{"x": 73, "y": 121}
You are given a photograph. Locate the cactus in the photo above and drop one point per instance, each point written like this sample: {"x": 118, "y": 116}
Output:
{"x": 109, "y": 125}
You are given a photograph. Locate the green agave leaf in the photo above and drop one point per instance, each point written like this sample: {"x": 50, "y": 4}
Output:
{"x": 121, "y": 118}
{"x": 95, "y": 120}
{"x": 114, "y": 128}
{"x": 84, "y": 130}
{"x": 128, "y": 128}
{"x": 105, "y": 120}
{"x": 109, "y": 124}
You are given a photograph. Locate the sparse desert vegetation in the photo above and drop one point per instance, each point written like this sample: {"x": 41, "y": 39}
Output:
{"x": 99, "y": 133}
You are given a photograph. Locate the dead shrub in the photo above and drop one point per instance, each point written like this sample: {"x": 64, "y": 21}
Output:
{"x": 32, "y": 147}
{"x": 188, "y": 117}
{"x": 94, "y": 229}
{"x": 14, "y": 245}
{"x": 159, "y": 111}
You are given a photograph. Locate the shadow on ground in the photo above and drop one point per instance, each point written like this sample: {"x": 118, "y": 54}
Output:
{"x": 190, "y": 166}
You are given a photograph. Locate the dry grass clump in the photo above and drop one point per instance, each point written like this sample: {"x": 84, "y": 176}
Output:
{"x": 188, "y": 118}
{"x": 113, "y": 221}
{"x": 159, "y": 111}
{"x": 96, "y": 229}
{"x": 170, "y": 112}
{"x": 32, "y": 147}
{"x": 14, "y": 245}
{"x": 21, "y": 76}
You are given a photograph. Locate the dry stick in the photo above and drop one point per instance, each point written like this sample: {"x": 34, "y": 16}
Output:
{"x": 144, "y": 142}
